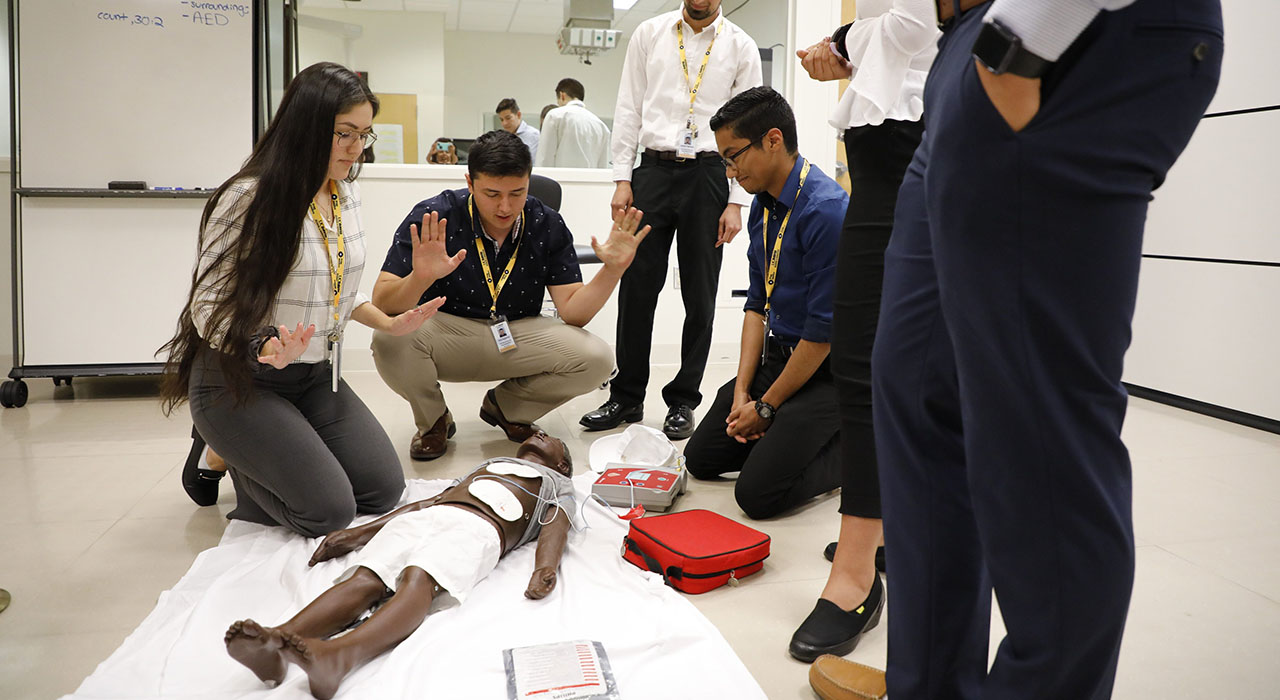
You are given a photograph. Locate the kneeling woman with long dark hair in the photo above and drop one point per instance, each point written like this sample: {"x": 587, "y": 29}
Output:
{"x": 282, "y": 249}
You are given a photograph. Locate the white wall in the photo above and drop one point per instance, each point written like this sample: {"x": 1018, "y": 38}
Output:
{"x": 403, "y": 52}
{"x": 1206, "y": 326}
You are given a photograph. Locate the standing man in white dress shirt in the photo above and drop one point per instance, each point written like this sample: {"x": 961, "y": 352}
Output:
{"x": 573, "y": 137}
{"x": 513, "y": 122}
{"x": 681, "y": 67}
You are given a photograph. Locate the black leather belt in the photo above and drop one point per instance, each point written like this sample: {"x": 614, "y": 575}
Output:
{"x": 670, "y": 156}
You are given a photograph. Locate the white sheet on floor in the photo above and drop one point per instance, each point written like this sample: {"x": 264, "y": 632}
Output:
{"x": 658, "y": 644}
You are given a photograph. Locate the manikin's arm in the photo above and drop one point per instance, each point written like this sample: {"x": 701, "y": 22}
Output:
{"x": 550, "y": 548}
{"x": 342, "y": 542}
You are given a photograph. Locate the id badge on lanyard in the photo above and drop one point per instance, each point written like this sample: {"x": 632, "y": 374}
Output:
{"x": 336, "y": 272}
{"x": 685, "y": 147}
{"x": 335, "y": 358}
{"x": 764, "y": 347}
{"x": 501, "y": 331}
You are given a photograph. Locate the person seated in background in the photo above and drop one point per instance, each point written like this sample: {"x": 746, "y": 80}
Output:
{"x": 776, "y": 423}
{"x": 450, "y": 541}
{"x": 494, "y": 251}
{"x": 542, "y": 118}
{"x": 443, "y": 151}
{"x": 573, "y": 137}
{"x": 513, "y": 123}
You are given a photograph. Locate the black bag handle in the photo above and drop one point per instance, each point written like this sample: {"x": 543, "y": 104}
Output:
{"x": 653, "y": 564}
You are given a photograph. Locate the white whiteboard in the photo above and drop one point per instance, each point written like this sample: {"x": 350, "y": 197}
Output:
{"x": 152, "y": 90}
{"x": 104, "y": 279}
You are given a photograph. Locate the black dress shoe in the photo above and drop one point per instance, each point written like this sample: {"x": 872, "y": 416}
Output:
{"x": 830, "y": 554}
{"x": 201, "y": 484}
{"x": 610, "y": 415}
{"x": 830, "y": 630}
{"x": 679, "y": 422}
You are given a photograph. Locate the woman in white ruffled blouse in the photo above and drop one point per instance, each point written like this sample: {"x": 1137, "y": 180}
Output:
{"x": 885, "y": 53}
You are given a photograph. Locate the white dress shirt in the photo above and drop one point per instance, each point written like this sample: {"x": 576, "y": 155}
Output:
{"x": 891, "y": 45}
{"x": 1048, "y": 27}
{"x": 573, "y": 137}
{"x": 653, "y": 97}
{"x": 529, "y": 135}
{"x": 306, "y": 296}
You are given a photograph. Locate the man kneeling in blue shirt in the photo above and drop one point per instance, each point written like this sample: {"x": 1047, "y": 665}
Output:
{"x": 492, "y": 251}
{"x": 777, "y": 423}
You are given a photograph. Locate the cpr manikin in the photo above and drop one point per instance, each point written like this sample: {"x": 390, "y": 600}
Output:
{"x": 450, "y": 541}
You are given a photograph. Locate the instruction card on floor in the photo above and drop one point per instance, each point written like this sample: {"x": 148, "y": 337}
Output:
{"x": 577, "y": 670}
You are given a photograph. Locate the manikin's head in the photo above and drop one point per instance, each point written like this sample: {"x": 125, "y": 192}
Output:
{"x": 509, "y": 114}
{"x": 568, "y": 90}
{"x": 756, "y": 136}
{"x": 547, "y": 451}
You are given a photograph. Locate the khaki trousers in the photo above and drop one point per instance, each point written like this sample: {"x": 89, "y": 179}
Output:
{"x": 552, "y": 363}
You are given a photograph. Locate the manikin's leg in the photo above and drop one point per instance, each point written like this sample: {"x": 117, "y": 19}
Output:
{"x": 328, "y": 661}
{"x": 259, "y": 648}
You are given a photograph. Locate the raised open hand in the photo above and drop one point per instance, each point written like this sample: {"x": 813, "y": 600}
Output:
{"x": 279, "y": 352}
{"x": 619, "y": 249}
{"x": 413, "y": 319}
{"x": 431, "y": 260}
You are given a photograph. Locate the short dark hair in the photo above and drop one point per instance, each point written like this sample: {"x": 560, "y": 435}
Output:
{"x": 546, "y": 109}
{"x": 572, "y": 88}
{"x": 499, "y": 153}
{"x": 507, "y": 103}
{"x": 751, "y": 114}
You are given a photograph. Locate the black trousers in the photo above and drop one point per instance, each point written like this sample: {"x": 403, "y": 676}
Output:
{"x": 878, "y": 157}
{"x": 682, "y": 202}
{"x": 798, "y": 457}
{"x": 1009, "y": 292}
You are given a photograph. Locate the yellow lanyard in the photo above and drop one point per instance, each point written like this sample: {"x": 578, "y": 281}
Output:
{"x": 772, "y": 278}
{"x": 684, "y": 63}
{"x": 494, "y": 290}
{"x": 335, "y": 269}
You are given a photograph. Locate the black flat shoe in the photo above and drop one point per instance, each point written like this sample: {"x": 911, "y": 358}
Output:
{"x": 830, "y": 630}
{"x": 830, "y": 554}
{"x": 611, "y": 414}
{"x": 679, "y": 422}
{"x": 201, "y": 484}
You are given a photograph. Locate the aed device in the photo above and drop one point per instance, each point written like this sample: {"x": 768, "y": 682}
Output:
{"x": 626, "y": 485}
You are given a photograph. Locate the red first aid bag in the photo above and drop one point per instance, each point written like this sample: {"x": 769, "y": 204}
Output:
{"x": 695, "y": 550}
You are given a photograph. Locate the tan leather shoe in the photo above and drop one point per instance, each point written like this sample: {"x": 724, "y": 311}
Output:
{"x": 834, "y": 678}
{"x": 434, "y": 442}
{"x": 491, "y": 414}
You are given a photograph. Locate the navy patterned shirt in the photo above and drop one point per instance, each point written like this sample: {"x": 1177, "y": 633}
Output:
{"x": 800, "y": 308}
{"x": 546, "y": 258}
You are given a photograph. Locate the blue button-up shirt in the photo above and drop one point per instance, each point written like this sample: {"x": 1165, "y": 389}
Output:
{"x": 800, "y": 307}
{"x": 546, "y": 258}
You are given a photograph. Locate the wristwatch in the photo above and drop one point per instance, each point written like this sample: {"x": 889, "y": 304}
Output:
{"x": 1001, "y": 51}
{"x": 764, "y": 410}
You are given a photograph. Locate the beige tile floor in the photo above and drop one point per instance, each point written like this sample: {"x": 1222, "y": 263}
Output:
{"x": 95, "y": 525}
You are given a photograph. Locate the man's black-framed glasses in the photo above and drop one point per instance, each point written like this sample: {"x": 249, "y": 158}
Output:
{"x": 729, "y": 159}
{"x": 366, "y": 137}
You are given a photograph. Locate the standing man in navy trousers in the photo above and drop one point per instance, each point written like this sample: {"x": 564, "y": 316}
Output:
{"x": 1009, "y": 292}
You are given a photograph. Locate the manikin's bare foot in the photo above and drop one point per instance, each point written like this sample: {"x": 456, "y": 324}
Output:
{"x": 321, "y": 659}
{"x": 257, "y": 648}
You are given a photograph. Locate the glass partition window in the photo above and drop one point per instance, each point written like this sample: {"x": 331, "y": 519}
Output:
{"x": 441, "y": 67}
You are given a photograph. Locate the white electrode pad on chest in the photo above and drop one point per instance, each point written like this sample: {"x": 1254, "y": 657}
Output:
{"x": 513, "y": 469}
{"x": 497, "y": 497}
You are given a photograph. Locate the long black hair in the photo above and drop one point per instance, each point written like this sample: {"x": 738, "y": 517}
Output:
{"x": 290, "y": 163}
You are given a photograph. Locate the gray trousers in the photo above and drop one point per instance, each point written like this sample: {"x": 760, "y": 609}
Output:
{"x": 298, "y": 454}
{"x": 552, "y": 363}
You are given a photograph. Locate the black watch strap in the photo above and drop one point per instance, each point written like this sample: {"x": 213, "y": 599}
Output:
{"x": 837, "y": 40}
{"x": 1001, "y": 51}
{"x": 765, "y": 410}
